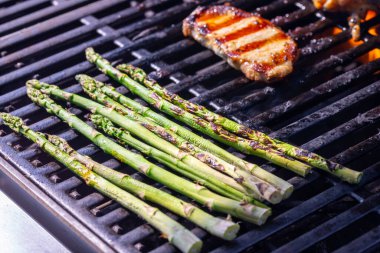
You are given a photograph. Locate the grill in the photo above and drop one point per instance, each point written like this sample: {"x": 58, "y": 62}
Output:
{"x": 330, "y": 105}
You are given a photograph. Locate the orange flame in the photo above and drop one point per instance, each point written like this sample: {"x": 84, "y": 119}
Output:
{"x": 375, "y": 31}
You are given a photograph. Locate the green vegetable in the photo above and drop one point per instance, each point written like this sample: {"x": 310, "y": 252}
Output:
{"x": 213, "y": 130}
{"x": 125, "y": 138}
{"x": 310, "y": 158}
{"x": 285, "y": 188}
{"x": 247, "y": 212}
{"x": 175, "y": 232}
{"x": 222, "y": 228}
{"x": 257, "y": 187}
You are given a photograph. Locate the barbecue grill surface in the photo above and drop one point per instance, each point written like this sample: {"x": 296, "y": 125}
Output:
{"x": 330, "y": 105}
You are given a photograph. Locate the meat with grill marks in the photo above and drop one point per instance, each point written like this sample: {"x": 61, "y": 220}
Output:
{"x": 248, "y": 42}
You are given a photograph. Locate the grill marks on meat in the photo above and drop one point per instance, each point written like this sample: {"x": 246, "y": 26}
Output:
{"x": 248, "y": 42}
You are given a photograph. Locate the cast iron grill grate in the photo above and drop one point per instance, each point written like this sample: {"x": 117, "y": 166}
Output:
{"x": 330, "y": 105}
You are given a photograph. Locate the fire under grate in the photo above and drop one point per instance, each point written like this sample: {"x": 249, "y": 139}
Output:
{"x": 330, "y": 105}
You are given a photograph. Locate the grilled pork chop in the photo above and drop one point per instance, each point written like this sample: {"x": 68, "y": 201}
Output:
{"x": 248, "y": 42}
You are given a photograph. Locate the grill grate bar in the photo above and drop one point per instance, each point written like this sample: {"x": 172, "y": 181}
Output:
{"x": 192, "y": 81}
{"x": 344, "y": 129}
{"x": 322, "y": 90}
{"x": 135, "y": 235}
{"x": 328, "y": 111}
{"x": 55, "y": 22}
{"x": 84, "y": 66}
{"x": 190, "y": 61}
{"x": 38, "y": 15}
{"x": 71, "y": 52}
{"x": 304, "y": 33}
{"x": 251, "y": 99}
{"x": 20, "y": 7}
{"x": 29, "y": 153}
{"x": 166, "y": 51}
{"x": 220, "y": 90}
{"x": 359, "y": 149}
{"x": 294, "y": 16}
{"x": 363, "y": 243}
{"x": 318, "y": 45}
{"x": 341, "y": 58}
{"x": 113, "y": 217}
{"x": 274, "y": 7}
{"x": 333, "y": 225}
{"x": 54, "y": 41}
{"x": 48, "y": 168}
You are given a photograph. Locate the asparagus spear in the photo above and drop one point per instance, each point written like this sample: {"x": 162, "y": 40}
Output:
{"x": 220, "y": 180}
{"x": 200, "y": 176}
{"x": 311, "y": 158}
{"x": 175, "y": 232}
{"x": 245, "y": 211}
{"x": 125, "y": 138}
{"x": 221, "y": 228}
{"x": 209, "y": 128}
{"x": 285, "y": 188}
{"x": 259, "y": 188}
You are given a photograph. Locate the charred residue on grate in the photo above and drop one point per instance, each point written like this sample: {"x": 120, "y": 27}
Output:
{"x": 143, "y": 35}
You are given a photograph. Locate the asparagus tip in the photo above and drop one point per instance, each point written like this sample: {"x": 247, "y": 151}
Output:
{"x": 88, "y": 83}
{"x": 91, "y": 55}
{"x": 14, "y": 122}
{"x": 60, "y": 143}
{"x": 132, "y": 71}
{"x": 32, "y": 92}
{"x": 79, "y": 77}
{"x": 35, "y": 84}
{"x": 32, "y": 83}
{"x": 82, "y": 78}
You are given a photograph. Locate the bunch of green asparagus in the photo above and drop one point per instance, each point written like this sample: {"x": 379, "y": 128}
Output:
{"x": 233, "y": 199}
{"x": 220, "y": 180}
{"x": 178, "y": 159}
{"x": 118, "y": 186}
{"x": 218, "y": 127}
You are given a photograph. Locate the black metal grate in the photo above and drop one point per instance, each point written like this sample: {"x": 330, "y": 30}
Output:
{"x": 330, "y": 105}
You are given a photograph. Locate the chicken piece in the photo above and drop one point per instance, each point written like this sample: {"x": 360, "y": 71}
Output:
{"x": 248, "y": 42}
{"x": 358, "y": 8}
